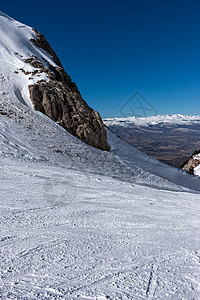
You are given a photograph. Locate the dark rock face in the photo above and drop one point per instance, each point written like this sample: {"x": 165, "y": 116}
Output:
{"x": 60, "y": 99}
{"x": 191, "y": 163}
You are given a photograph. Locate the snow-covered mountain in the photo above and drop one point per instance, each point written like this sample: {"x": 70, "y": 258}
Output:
{"x": 171, "y": 139}
{"x": 37, "y": 79}
{"x": 81, "y": 223}
{"x": 162, "y": 120}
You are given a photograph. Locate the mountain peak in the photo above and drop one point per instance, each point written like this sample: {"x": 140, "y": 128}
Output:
{"x": 37, "y": 79}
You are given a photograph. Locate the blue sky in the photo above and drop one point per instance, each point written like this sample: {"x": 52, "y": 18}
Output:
{"x": 112, "y": 49}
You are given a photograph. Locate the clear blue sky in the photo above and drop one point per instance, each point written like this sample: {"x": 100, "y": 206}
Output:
{"x": 112, "y": 49}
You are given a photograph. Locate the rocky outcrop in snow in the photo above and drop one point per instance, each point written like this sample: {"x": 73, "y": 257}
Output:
{"x": 38, "y": 79}
{"x": 193, "y": 164}
{"x": 60, "y": 99}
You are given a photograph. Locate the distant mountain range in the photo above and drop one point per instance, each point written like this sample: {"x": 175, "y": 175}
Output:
{"x": 171, "y": 139}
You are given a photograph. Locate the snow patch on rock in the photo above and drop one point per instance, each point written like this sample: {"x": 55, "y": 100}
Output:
{"x": 15, "y": 48}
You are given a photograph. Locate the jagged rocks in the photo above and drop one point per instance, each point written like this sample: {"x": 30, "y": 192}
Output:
{"x": 60, "y": 99}
{"x": 192, "y": 163}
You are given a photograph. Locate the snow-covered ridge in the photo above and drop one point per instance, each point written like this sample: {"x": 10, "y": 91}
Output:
{"x": 5, "y": 16}
{"x": 36, "y": 78}
{"x": 176, "y": 119}
{"x": 15, "y": 48}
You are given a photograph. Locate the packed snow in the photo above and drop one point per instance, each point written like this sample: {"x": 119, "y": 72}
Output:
{"x": 67, "y": 234}
{"x": 81, "y": 223}
{"x": 29, "y": 135}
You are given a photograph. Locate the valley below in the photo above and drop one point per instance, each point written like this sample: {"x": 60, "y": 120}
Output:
{"x": 172, "y": 144}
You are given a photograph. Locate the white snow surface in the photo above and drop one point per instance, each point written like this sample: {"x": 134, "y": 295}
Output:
{"x": 81, "y": 223}
{"x": 66, "y": 234}
{"x": 197, "y": 170}
{"x": 15, "y": 47}
{"x": 176, "y": 119}
{"x": 197, "y": 156}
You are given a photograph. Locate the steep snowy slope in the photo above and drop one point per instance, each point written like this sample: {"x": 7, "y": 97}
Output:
{"x": 37, "y": 78}
{"x": 15, "y": 48}
{"x": 29, "y": 135}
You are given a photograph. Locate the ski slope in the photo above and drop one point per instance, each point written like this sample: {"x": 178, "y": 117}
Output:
{"x": 26, "y": 134}
{"x": 67, "y": 234}
{"x": 81, "y": 223}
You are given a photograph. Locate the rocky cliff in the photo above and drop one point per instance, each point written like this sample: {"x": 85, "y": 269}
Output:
{"x": 40, "y": 81}
{"x": 192, "y": 163}
{"x": 60, "y": 99}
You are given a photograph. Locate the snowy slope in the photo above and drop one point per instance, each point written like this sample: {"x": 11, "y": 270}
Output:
{"x": 29, "y": 135}
{"x": 80, "y": 223}
{"x": 15, "y": 48}
{"x": 65, "y": 235}
{"x": 165, "y": 120}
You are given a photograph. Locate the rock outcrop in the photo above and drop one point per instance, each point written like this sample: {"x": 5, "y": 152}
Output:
{"x": 60, "y": 99}
{"x": 192, "y": 163}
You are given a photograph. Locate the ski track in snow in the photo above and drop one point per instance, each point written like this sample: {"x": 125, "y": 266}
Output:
{"x": 72, "y": 230}
{"x": 119, "y": 241}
